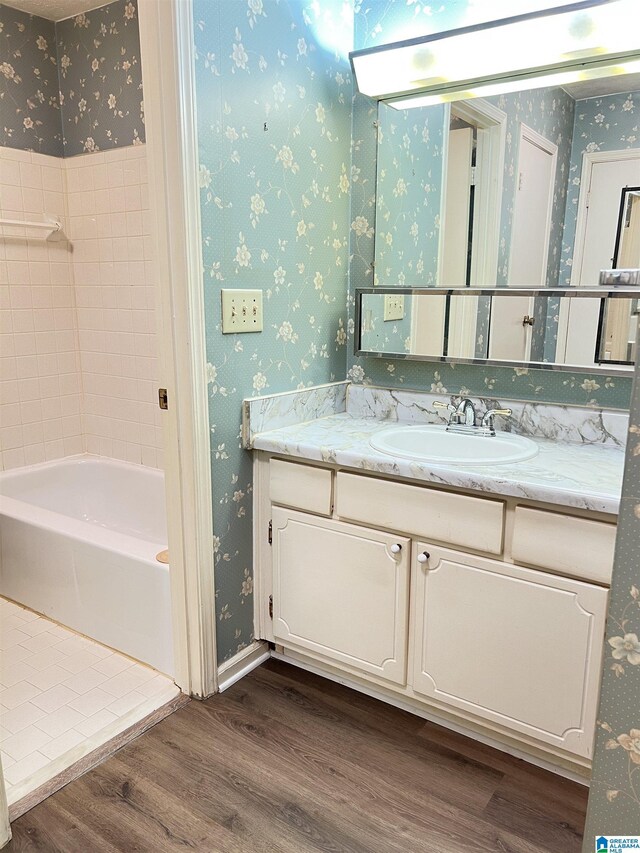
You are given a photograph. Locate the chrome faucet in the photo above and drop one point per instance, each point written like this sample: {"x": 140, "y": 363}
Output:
{"x": 464, "y": 414}
{"x": 462, "y": 417}
{"x": 467, "y": 412}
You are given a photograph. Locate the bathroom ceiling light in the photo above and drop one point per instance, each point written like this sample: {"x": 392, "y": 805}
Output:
{"x": 486, "y": 90}
{"x": 581, "y": 39}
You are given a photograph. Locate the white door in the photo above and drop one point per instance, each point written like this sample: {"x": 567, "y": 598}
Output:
{"x": 518, "y": 647}
{"x": 510, "y": 338}
{"x": 607, "y": 180}
{"x": 455, "y": 247}
{"x": 340, "y": 592}
{"x": 603, "y": 183}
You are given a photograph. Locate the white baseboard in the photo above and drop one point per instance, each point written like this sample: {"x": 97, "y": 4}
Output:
{"x": 433, "y": 717}
{"x": 241, "y": 664}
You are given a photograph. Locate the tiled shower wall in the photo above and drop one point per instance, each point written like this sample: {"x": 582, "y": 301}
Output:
{"x": 78, "y": 348}
{"x": 40, "y": 387}
{"x": 107, "y": 195}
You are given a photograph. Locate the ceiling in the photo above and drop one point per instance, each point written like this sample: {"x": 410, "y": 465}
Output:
{"x": 56, "y": 10}
{"x": 601, "y": 86}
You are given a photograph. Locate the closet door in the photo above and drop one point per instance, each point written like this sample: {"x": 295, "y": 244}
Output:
{"x": 518, "y": 647}
{"x": 341, "y": 592}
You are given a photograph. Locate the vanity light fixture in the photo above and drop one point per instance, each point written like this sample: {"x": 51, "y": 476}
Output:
{"x": 580, "y": 41}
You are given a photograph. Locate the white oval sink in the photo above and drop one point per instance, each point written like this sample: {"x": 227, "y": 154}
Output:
{"x": 432, "y": 443}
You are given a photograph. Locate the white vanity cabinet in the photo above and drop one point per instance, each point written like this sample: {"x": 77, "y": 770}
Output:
{"x": 342, "y": 592}
{"x": 443, "y": 600}
{"x": 519, "y": 647}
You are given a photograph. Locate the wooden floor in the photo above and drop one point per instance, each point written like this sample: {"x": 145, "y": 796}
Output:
{"x": 287, "y": 761}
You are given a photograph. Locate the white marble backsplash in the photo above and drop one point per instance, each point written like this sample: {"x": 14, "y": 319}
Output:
{"x": 275, "y": 411}
{"x": 572, "y": 424}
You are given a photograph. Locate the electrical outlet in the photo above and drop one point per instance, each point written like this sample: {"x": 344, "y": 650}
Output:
{"x": 393, "y": 307}
{"x": 241, "y": 311}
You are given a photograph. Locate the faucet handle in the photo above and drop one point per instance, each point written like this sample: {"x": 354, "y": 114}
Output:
{"x": 449, "y": 407}
{"x": 487, "y": 419}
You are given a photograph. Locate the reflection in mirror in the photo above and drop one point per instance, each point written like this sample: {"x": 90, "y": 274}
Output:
{"x": 485, "y": 192}
{"x": 469, "y": 326}
{"x": 618, "y": 330}
{"x": 627, "y": 248}
{"x": 619, "y": 319}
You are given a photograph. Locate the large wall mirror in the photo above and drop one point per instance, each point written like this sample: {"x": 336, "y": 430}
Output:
{"x": 538, "y": 188}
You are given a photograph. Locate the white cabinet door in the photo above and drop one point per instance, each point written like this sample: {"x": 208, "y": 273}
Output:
{"x": 515, "y": 646}
{"x": 340, "y": 591}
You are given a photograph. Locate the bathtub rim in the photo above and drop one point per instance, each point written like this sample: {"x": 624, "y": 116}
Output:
{"x": 124, "y": 544}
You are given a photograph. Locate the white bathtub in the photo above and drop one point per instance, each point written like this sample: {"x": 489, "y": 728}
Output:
{"x": 78, "y": 543}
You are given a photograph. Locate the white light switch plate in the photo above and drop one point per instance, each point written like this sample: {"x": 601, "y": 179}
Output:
{"x": 393, "y": 307}
{"x": 241, "y": 311}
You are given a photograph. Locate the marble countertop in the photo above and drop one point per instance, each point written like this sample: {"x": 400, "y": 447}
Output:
{"x": 584, "y": 476}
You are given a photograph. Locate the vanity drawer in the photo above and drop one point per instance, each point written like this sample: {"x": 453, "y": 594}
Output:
{"x": 565, "y": 544}
{"x": 460, "y": 520}
{"x": 300, "y": 486}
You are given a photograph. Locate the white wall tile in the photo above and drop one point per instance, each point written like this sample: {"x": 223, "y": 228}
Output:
{"x": 94, "y": 308}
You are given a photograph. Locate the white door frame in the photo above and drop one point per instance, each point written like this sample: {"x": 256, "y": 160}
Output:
{"x": 5, "y": 826}
{"x": 166, "y": 36}
{"x": 492, "y": 122}
{"x": 589, "y": 160}
{"x": 492, "y": 132}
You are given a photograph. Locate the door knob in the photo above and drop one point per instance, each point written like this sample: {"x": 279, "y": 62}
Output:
{"x": 395, "y": 549}
{"x": 424, "y": 557}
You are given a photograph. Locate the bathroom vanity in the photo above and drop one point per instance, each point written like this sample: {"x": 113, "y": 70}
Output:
{"x": 473, "y": 595}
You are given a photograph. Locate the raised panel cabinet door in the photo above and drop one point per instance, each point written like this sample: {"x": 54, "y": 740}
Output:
{"x": 519, "y": 647}
{"x": 342, "y": 592}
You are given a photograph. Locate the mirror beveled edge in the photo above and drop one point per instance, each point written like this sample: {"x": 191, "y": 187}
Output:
{"x": 557, "y": 292}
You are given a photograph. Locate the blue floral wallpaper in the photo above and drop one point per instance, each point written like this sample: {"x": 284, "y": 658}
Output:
{"x": 550, "y": 112}
{"x": 602, "y": 124}
{"x": 384, "y": 21}
{"x": 274, "y": 133}
{"x": 408, "y": 194}
{"x": 380, "y": 335}
{"x": 29, "y": 102}
{"x": 614, "y": 800}
{"x": 101, "y": 79}
{"x": 71, "y": 87}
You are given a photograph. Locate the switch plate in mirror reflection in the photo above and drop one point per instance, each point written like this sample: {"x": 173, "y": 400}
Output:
{"x": 488, "y": 326}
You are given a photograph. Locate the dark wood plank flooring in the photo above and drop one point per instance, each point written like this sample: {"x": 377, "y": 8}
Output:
{"x": 287, "y": 762}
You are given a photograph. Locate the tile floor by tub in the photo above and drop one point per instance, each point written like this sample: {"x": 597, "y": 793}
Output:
{"x": 62, "y": 696}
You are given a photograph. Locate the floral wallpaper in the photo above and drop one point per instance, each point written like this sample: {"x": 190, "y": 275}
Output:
{"x": 614, "y": 800}
{"x": 101, "y": 79}
{"x": 602, "y": 124}
{"x": 380, "y": 335}
{"x": 29, "y": 102}
{"x": 74, "y": 86}
{"x": 550, "y": 112}
{"x": 384, "y": 21}
{"x": 408, "y": 194}
{"x": 274, "y": 131}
